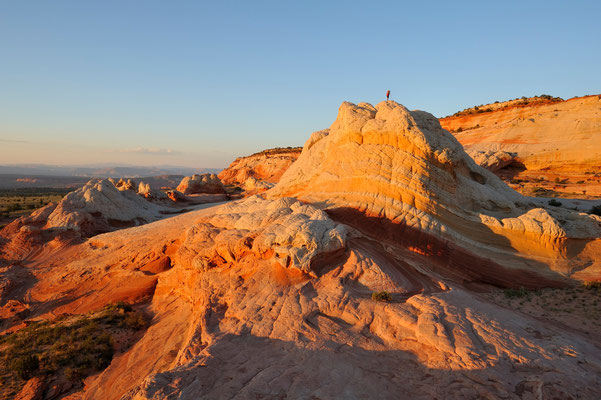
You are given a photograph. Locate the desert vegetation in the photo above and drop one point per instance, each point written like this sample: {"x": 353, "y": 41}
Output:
{"x": 278, "y": 150}
{"x": 16, "y": 202}
{"x": 503, "y": 105}
{"x": 67, "y": 348}
{"x": 577, "y": 307}
{"x": 381, "y": 296}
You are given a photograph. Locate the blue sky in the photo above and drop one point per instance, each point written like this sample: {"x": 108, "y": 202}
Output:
{"x": 199, "y": 83}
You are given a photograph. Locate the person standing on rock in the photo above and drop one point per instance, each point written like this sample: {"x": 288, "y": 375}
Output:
{"x": 387, "y": 95}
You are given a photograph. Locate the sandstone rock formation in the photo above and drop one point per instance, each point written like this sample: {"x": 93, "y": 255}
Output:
{"x": 554, "y": 141}
{"x": 267, "y": 166}
{"x": 264, "y": 299}
{"x": 124, "y": 184}
{"x": 148, "y": 193}
{"x": 271, "y": 296}
{"x": 492, "y": 160}
{"x": 97, "y": 207}
{"x": 389, "y": 163}
{"x": 176, "y": 196}
{"x": 198, "y": 184}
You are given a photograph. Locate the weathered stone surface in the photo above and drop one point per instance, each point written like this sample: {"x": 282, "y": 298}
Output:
{"x": 492, "y": 160}
{"x": 231, "y": 319}
{"x": 400, "y": 165}
{"x": 267, "y": 166}
{"x": 99, "y": 206}
{"x": 196, "y": 184}
{"x": 148, "y": 193}
{"x": 557, "y": 142}
{"x": 559, "y": 135}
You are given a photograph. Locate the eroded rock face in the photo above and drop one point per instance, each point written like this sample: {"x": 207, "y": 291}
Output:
{"x": 99, "y": 206}
{"x": 291, "y": 233}
{"x": 557, "y": 142}
{"x": 492, "y": 160}
{"x": 199, "y": 184}
{"x": 399, "y": 165}
{"x": 271, "y": 296}
{"x": 258, "y": 172}
{"x": 561, "y": 135}
{"x": 148, "y": 193}
{"x": 233, "y": 319}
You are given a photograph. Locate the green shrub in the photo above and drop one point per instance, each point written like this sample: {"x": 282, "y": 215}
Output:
{"x": 593, "y": 285}
{"x": 381, "y": 296}
{"x": 521, "y": 292}
{"x": 25, "y": 366}
{"x": 554, "y": 203}
{"x": 135, "y": 321}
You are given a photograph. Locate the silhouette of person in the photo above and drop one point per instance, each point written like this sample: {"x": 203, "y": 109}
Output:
{"x": 387, "y": 95}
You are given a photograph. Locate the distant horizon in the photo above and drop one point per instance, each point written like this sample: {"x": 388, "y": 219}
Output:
{"x": 192, "y": 83}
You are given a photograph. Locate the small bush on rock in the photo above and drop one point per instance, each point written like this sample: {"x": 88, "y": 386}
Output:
{"x": 381, "y": 296}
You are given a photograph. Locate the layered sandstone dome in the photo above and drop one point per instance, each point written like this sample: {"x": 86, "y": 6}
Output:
{"x": 265, "y": 298}
{"x": 399, "y": 165}
{"x": 99, "y": 206}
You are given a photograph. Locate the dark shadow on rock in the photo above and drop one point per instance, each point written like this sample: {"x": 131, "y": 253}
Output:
{"x": 252, "y": 367}
{"x": 445, "y": 257}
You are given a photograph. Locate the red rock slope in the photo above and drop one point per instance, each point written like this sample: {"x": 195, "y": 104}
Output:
{"x": 259, "y": 171}
{"x": 554, "y": 140}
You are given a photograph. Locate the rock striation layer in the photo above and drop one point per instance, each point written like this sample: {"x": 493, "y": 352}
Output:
{"x": 564, "y": 135}
{"x": 389, "y": 163}
{"x": 558, "y": 144}
{"x": 272, "y": 298}
{"x": 258, "y": 172}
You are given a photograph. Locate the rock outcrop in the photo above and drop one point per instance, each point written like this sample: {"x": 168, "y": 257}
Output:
{"x": 99, "y": 206}
{"x": 201, "y": 184}
{"x": 151, "y": 194}
{"x": 400, "y": 166}
{"x": 265, "y": 167}
{"x": 262, "y": 299}
{"x": 493, "y": 160}
{"x": 555, "y": 141}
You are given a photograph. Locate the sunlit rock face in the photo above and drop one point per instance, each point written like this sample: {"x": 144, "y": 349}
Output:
{"x": 492, "y": 160}
{"x": 259, "y": 172}
{"x": 557, "y": 144}
{"x": 399, "y": 165}
{"x": 266, "y": 298}
{"x": 99, "y": 206}
{"x": 563, "y": 135}
{"x": 199, "y": 184}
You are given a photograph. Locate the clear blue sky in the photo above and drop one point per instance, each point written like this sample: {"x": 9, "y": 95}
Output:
{"x": 198, "y": 83}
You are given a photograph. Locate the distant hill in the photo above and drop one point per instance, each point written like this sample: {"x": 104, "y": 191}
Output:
{"x": 101, "y": 171}
{"x": 17, "y": 181}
